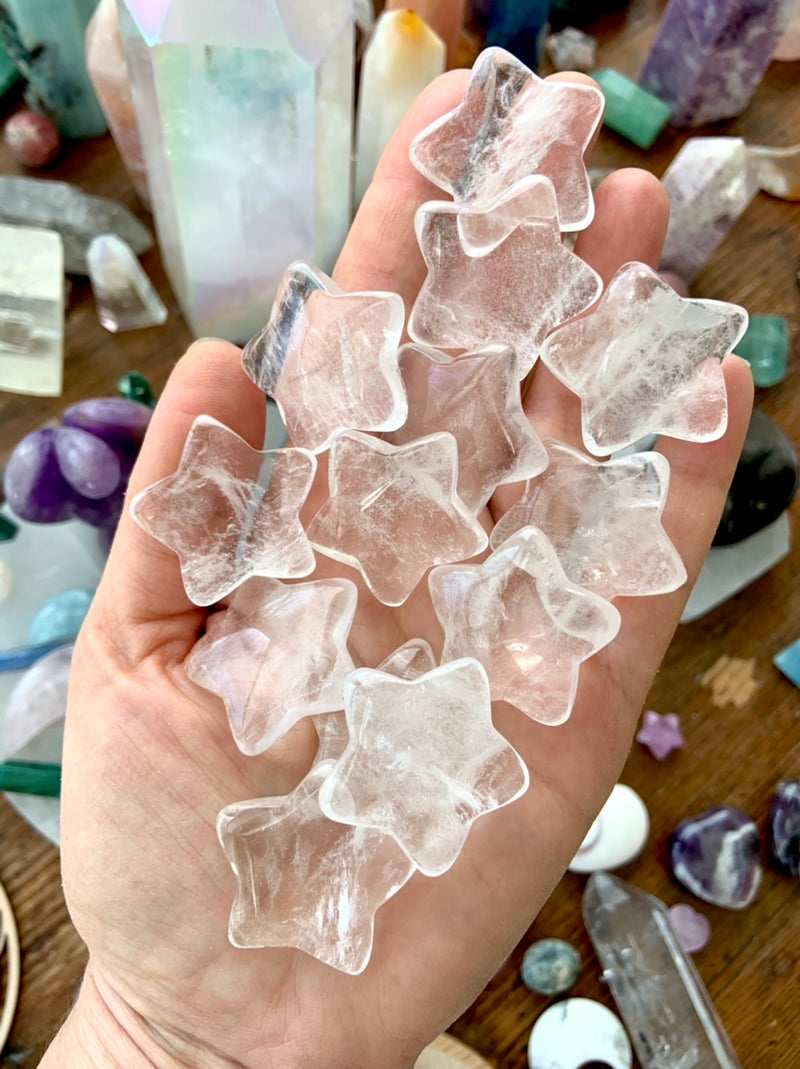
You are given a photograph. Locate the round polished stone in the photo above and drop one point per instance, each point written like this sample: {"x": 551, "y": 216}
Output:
{"x": 60, "y": 618}
{"x": 34, "y": 486}
{"x": 550, "y": 966}
{"x": 89, "y": 465}
{"x": 34, "y": 139}
{"x": 120, "y": 422}
{"x": 618, "y": 834}
{"x": 578, "y": 1032}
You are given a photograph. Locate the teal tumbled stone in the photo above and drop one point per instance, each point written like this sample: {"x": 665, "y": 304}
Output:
{"x": 765, "y": 347}
{"x": 135, "y": 387}
{"x": 60, "y": 618}
{"x": 631, "y": 111}
{"x": 550, "y": 966}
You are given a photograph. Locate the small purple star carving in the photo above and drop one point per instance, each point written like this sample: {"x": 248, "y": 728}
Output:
{"x": 661, "y": 734}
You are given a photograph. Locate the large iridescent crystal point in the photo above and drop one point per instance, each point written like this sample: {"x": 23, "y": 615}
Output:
{"x": 245, "y": 113}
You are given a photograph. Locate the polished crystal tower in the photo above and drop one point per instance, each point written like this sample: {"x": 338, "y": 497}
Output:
{"x": 662, "y": 999}
{"x": 245, "y": 112}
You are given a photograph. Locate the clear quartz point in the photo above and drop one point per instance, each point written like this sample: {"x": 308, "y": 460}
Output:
{"x": 663, "y": 1001}
{"x": 125, "y": 296}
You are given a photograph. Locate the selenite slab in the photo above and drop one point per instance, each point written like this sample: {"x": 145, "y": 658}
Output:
{"x": 31, "y": 311}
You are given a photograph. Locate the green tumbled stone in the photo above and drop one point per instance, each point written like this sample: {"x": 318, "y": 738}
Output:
{"x": 8, "y": 530}
{"x": 765, "y": 347}
{"x": 136, "y": 388}
{"x": 550, "y": 966}
{"x": 630, "y": 110}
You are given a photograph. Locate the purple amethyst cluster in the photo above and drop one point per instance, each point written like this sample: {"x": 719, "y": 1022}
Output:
{"x": 79, "y": 470}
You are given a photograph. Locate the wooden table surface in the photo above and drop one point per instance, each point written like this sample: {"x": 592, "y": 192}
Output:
{"x": 734, "y": 754}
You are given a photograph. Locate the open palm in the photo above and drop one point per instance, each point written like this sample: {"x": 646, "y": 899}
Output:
{"x": 149, "y": 759}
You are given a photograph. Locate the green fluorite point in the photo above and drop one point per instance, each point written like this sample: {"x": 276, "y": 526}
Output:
{"x": 135, "y": 387}
{"x": 631, "y": 111}
{"x": 765, "y": 347}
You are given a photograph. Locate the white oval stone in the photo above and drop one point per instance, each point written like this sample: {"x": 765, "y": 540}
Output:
{"x": 575, "y": 1032}
{"x": 6, "y": 580}
{"x": 618, "y": 834}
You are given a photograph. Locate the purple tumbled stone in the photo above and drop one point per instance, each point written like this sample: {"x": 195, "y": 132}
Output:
{"x": 34, "y": 486}
{"x": 716, "y": 856}
{"x": 783, "y": 838}
{"x": 709, "y": 56}
{"x": 90, "y": 466}
{"x": 120, "y": 423}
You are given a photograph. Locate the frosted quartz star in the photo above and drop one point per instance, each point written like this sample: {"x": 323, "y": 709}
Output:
{"x": 433, "y": 740}
{"x": 661, "y": 734}
{"x": 647, "y": 361}
{"x": 393, "y": 511}
{"x": 329, "y": 358}
{"x": 305, "y": 881}
{"x": 510, "y": 125}
{"x": 603, "y": 520}
{"x": 476, "y": 398}
{"x": 279, "y": 653}
{"x": 514, "y": 294}
{"x": 527, "y": 624}
{"x": 230, "y": 512}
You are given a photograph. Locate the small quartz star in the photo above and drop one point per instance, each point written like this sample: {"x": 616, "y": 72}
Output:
{"x": 278, "y": 654}
{"x": 512, "y": 124}
{"x": 513, "y": 295}
{"x": 476, "y": 398}
{"x": 527, "y": 624}
{"x": 230, "y": 512}
{"x": 661, "y": 734}
{"x": 329, "y": 358}
{"x": 393, "y": 511}
{"x": 424, "y": 760}
{"x": 647, "y": 361}
{"x": 603, "y": 520}
{"x": 306, "y": 881}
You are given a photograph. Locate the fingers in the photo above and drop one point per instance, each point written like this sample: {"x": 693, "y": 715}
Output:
{"x": 142, "y": 581}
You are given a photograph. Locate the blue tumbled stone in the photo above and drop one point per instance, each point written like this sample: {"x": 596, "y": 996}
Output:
{"x": 783, "y": 837}
{"x": 60, "y": 619}
{"x": 550, "y": 966}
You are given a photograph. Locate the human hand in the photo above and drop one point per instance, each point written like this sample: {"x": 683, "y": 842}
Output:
{"x": 149, "y": 760}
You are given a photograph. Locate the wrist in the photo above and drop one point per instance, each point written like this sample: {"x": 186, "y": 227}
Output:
{"x": 103, "y": 1032}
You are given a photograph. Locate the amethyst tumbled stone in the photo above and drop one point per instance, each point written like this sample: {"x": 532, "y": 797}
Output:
{"x": 716, "y": 856}
{"x": 120, "y": 423}
{"x": 783, "y": 841}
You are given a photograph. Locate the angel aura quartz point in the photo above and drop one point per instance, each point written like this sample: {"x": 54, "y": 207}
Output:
{"x": 527, "y": 624}
{"x": 476, "y": 397}
{"x": 433, "y": 740}
{"x": 514, "y": 294}
{"x": 245, "y": 114}
{"x": 277, "y": 654}
{"x": 709, "y": 56}
{"x": 603, "y": 520}
{"x": 647, "y": 361}
{"x": 306, "y": 881}
{"x": 710, "y": 183}
{"x": 393, "y": 511}
{"x": 662, "y": 999}
{"x": 125, "y": 296}
{"x": 402, "y": 57}
{"x": 329, "y": 358}
{"x": 230, "y": 512}
{"x": 31, "y": 311}
{"x": 510, "y": 125}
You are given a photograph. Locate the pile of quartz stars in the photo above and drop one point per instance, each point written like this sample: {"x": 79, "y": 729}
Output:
{"x": 417, "y": 440}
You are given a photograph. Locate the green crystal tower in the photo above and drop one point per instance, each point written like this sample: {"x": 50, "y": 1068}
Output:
{"x": 245, "y": 111}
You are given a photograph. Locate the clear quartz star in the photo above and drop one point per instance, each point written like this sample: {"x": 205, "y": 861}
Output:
{"x": 329, "y": 358}
{"x": 603, "y": 520}
{"x": 230, "y": 512}
{"x": 647, "y": 361}
{"x": 513, "y": 295}
{"x": 512, "y": 124}
{"x": 661, "y": 734}
{"x": 393, "y": 511}
{"x": 278, "y": 654}
{"x": 527, "y": 624}
{"x": 476, "y": 398}
{"x": 306, "y": 881}
{"x": 424, "y": 760}
{"x": 414, "y": 658}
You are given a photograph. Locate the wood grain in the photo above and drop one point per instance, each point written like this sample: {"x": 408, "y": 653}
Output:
{"x": 734, "y": 754}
